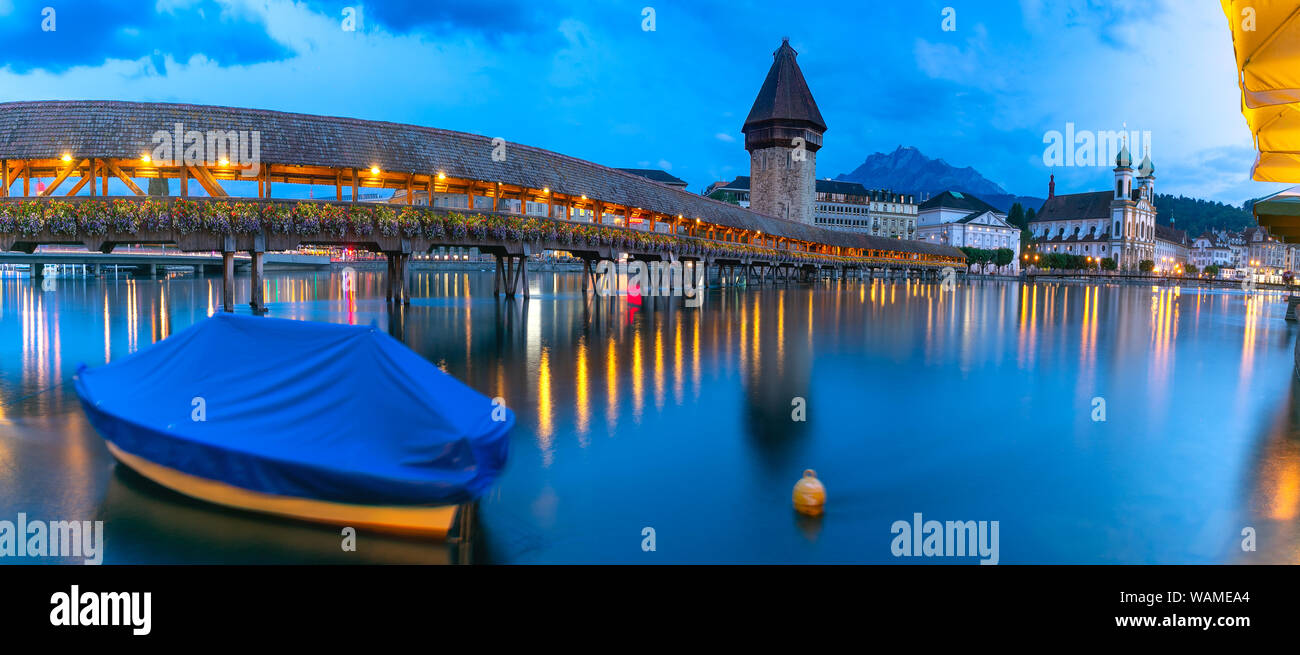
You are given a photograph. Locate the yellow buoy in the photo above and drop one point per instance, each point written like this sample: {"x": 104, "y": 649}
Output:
{"x": 809, "y": 494}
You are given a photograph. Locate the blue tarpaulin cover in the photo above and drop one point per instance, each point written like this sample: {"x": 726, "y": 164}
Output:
{"x": 329, "y": 412}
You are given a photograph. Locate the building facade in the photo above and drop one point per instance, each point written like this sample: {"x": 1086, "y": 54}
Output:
{"x": 1265, "y": 254}
{"x": 1119, "y": 224}
{"x": 845, "y": 206}
{"x": 964, "y": 221}
{"x": 1172, "y": 249}
{"x": 783, "y": 133}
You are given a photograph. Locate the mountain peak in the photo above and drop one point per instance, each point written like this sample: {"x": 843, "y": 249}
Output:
{"x": 908, "y": 170}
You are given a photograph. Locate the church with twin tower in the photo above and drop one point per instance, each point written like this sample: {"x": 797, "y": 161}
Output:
{"x": 783, "y": 134}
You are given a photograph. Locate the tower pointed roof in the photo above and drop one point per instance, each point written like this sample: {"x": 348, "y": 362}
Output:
{"x": 785, "y": 97}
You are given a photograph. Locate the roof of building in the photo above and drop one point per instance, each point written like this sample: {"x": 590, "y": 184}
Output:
{"x": 1170, "y": 234}
{"x": 784, "y": 96}
{"x": 978, "y": 213}
{"x": 1075, "y": 206}
{"x": 124, "y": 130}
{"x": 958, "y": 200}
{"x": 741, "y": 183}
{"x": 656, "y": 175}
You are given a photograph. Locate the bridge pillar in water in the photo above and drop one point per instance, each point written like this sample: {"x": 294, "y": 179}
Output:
{"x": 153, "y": 270}
{"x": 256, "y": 299}
{"x": 499, "y": 274}
{"x": 228, "y": 281}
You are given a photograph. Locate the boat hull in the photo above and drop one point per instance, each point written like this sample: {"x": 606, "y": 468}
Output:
{"x": 408, "y": 520}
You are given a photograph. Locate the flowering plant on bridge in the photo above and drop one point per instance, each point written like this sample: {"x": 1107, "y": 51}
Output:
{"x": 457, "y": 225}
{"x": 246, "y": 218}
{"x": 28, "y": 218}
{"x": 277, "y": 217}
{"x": 92, "y": 217}
{"x": 477, "y": 226}
{"x": 548, "y": 230}
{"x": 435, "y": 229}
{"x": 387, "y": 220}
{"x": 61, "y": 219}
{"x": 333, "y": 220}
{"x": 362, "y": 220}
{"x": 409, "y": 220}
{"x": 306, "y": 218}
{"x": 215, "y": 216}
{"x": 8, "y": 218}
{"x": 124, "y": 216}
{"x": 186, "y": 216}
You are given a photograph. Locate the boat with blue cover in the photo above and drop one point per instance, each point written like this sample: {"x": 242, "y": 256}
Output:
{"x": 331, "y": 423}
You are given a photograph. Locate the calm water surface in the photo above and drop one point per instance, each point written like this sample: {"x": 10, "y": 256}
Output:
{"x": 974, "y": 404}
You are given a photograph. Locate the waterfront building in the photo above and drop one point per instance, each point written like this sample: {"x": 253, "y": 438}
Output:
{"x": 845, "y": 206}
{"x": 1291, "y": 260}
{"x": 1171, "y": 249}
{"x": 1210, "y": 249}
{"x": 783, "y": 133}
{"x": 1264, "y": 253}
{"x": 962, "y": 220}
{"x": 1119, "y": 224}
{"x": 1253, "y": 248}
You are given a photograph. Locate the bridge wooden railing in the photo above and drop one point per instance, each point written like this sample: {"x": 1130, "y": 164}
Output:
{"x": 235, "y": 224}
{"x": 260, "y": 225}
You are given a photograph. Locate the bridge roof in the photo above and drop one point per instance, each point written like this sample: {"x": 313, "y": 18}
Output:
{"x": 124, "y": 130}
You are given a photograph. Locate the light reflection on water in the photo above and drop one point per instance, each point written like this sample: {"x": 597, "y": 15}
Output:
{"x": 970, "y": 404}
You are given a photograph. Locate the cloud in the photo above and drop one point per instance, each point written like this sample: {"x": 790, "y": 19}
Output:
{"x": 724, "y": 137}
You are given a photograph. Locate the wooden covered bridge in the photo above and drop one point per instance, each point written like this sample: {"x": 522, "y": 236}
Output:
{"x": 459, "y": 190}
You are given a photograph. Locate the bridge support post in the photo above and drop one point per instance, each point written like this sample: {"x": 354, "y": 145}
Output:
{"x": 388, "y": 279}
{"x": 404, "y": 262}
{"x": 255, "y": 295}
{"x": 523, "y": 272}
{"x": 228, "y": 281}
{"x": 500, "y": 273}
{"x": 512, "y": 277}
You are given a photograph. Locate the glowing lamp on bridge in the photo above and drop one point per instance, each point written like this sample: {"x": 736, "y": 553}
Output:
{"x": 374, "y": 170}
{"x": 546, "y": 191}
{"x": 224, "y": 162}
{"x": 441, "y": 175}
{"x": 66, "y": 157}
{"x": 145, "y": 159}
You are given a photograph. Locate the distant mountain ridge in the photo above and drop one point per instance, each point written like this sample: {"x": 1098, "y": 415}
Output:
{"x": 908, "y": 170}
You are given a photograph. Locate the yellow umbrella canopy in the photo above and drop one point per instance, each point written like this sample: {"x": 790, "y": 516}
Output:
{"x": 1266, "y": 42}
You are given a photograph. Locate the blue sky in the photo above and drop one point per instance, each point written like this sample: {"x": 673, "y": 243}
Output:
{"x": 582, "y": 77}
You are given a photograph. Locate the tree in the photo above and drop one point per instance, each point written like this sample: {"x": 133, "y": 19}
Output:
{"x": 1211, "y": 271}
{"x": 1003, "y": 256}
{"x": 716, "y": 195}
{"x": 1146, "y": 266}
{"x": 1026, "y": 233}
{"x": 1109, "y": 264}
{"x": 1016, "y": 216}
{"x": 1189, "y": 270}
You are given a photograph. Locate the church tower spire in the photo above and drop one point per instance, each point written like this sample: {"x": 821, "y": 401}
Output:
{"x": 783, "y": 133}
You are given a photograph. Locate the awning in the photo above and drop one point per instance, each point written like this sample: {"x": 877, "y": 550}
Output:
{"x": 1266, "y": 43}
{"x": 1281, "y": 213}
